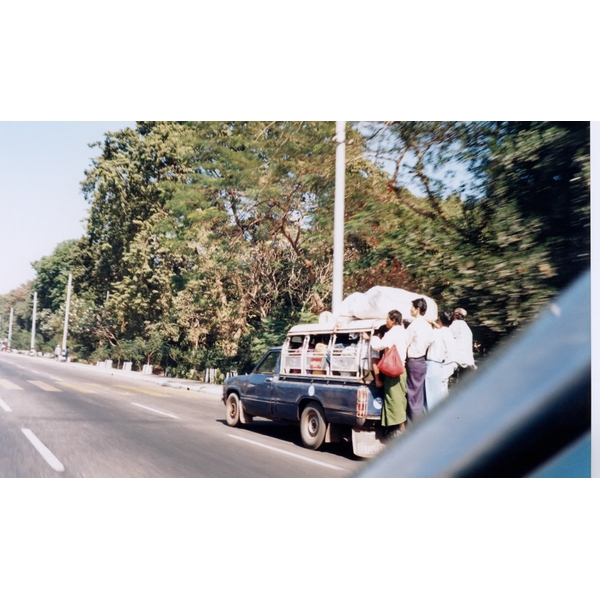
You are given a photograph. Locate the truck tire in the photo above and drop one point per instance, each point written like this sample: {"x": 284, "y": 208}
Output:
{"x": 233, "y": 409}
{"x": 313, "y": 426}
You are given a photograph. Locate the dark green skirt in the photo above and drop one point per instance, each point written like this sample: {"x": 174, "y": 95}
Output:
{"x": 394, "y": 402}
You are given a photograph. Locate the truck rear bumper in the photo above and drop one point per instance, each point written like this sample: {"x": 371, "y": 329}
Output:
{"x": 367, "y": 443}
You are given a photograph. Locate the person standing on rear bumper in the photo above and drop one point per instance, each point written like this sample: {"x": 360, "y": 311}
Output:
{"x": 438, "y": 356}
{"x": 393, "y": 413}
{"x": 463, "y": 339}
{"x": 418, "y": 339}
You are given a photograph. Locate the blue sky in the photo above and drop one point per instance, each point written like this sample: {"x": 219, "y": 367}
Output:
{"x": 41, "y": 204}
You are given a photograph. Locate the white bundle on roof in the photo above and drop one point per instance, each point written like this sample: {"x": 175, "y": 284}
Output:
{"x": 379, "y": 301}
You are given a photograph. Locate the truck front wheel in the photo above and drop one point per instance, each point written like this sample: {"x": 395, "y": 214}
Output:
{"x": 232, "y": 410}
{"x": 313, "y": 426}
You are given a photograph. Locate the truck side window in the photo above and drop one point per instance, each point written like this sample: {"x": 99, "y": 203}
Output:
{"x": 295, "y": 344}
{"x": 292, "y": 359}
{"x": 267, "y": 366}
{"x": 344, "y": 356}
{"x": 318, "y": 349}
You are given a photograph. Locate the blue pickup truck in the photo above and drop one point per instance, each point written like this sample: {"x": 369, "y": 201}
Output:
{"x": 320, "y": 379}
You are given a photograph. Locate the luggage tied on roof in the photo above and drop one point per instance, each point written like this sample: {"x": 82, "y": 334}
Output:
{"x": 377, "y": 302}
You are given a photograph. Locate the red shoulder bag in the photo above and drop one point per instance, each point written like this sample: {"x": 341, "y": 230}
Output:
{"x": 391, "y": 363}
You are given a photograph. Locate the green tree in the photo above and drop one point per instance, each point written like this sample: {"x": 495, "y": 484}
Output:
{"x": 123, "y": 189}
{"x": 52, "y": 275}
{"x": 253, "y": 226}
{"x": 543, "y": 168}
{"x": 21, "y": 300}
{"x": 500, "y": 251}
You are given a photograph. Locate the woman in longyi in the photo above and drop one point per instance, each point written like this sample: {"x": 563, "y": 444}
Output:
{"x": 393, "y": 413}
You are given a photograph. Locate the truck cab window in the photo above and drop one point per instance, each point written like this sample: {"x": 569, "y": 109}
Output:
{"x": 267, "y": 366}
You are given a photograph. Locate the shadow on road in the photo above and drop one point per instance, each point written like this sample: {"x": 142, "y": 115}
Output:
{"x": 289, "y": 433}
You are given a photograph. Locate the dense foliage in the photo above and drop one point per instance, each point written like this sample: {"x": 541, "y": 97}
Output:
{"x": 207, "y": 240}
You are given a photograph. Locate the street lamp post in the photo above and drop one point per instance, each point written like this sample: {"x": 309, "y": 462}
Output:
{"x": 33, "y": 322}
{"x": 338, "y": 226}
{"x": 12, "y": 310}
{"x": 64, "y": 340}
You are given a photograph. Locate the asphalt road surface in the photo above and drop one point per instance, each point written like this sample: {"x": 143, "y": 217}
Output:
{"x": 63, "y": 420}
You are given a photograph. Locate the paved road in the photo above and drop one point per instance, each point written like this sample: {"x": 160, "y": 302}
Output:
{"x": 60, "y": 421}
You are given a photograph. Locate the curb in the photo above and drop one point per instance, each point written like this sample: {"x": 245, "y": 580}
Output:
{"x": 194, "y": 386}
{"x": 211, "y": 388}
{"x": 182, "y": 384}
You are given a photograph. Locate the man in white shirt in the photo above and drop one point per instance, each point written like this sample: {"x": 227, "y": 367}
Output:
{"x": 418, "y": 339}
{"x": 441, "y": 362}
{"x": 463, "y": 339}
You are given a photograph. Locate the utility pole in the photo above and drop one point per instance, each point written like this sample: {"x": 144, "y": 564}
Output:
{"x": 33, "y": 322}
{"x": 12, "y": 310}
{"x": 64, "y": 340}
{"x": 338, "y": 225}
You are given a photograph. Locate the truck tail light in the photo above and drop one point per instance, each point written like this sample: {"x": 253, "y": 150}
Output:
{"x": 362, "y": 401}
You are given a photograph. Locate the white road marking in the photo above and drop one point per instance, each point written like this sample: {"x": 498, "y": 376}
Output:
{"x": 78, "y": 388}
{"x": 43, "y": 386}
{"x": 108, "y": 389}
{"x": 142, "y": 390}
{"x": 55, "y": 378}
{"x": 46, "y": 454}
{"x": 312, "y": 460}
{"x": 8, "y": 385}
{"x": 5, "y": 406}
{"x": 156, "y": 411}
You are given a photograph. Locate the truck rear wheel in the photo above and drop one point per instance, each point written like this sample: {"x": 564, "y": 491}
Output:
{"x": 233, "y": 410}
{"x": 313, "y": 426}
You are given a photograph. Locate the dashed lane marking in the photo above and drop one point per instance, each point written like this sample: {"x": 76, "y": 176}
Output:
{"x": 43, "y": 386}
{"x": 43, "y": 450}
{"x": 156, "y": 411}
{"x": 109, "y": 389}
{"x": 8, "y": 385}
{"x": 311, "y": 460}
{"x": 78, "y": 388}
{"x": 5, "y": 406}
{"x": 141, "y": 391}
